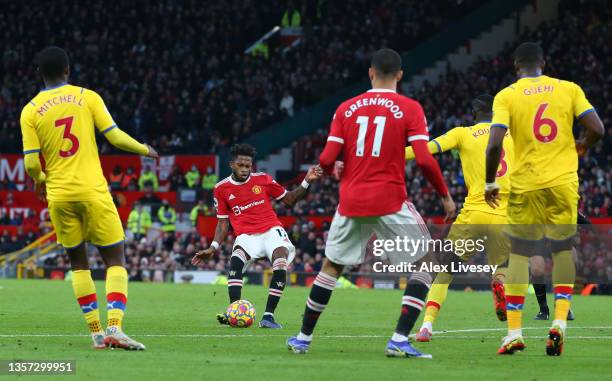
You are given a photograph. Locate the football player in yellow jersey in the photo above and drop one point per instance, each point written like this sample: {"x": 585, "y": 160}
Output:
{"x": 539, "y": 111}
{"x": 477, "y": 220}
{"x": 60, "y": 123}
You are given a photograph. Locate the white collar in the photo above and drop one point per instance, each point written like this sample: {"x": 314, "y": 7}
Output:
{"x": 231, "y": 179}
{"x": 381, "y": 91}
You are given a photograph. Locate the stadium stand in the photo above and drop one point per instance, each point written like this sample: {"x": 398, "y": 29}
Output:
{"x": 217, "y": 95}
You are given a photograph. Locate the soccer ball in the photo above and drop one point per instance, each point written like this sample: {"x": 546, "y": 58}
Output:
{"x": 241, "y": 314}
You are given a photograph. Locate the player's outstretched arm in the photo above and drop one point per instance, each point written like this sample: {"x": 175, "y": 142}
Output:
{"x": 220, "y": 234}
{"x": 125, "y": 142}
{"x": 314, "y": 174}
{"x": 593, "y": 131}
{"x": 493, "y": 154}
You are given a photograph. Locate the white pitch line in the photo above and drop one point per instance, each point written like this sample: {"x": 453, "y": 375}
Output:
{"x": 442, "y": 334}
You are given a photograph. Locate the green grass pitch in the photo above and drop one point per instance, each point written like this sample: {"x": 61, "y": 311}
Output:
{"x": 41, "y": 320}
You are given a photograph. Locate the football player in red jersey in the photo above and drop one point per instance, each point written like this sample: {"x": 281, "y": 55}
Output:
{"x": 243, "y": 199}
{"x": 371, "y": 132}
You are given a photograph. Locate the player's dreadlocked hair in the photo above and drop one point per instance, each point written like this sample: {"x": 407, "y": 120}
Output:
{"x": 386, "y": 62}
{"x": 52, "y": 62}
{"x": 242, "y": 150}
{"x": 483, "y": 104}
{"x": 529, "y": 54}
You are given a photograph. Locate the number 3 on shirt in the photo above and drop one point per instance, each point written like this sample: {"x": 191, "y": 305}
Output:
{"x": 67, "y": 123}
{"x": 539, "y": 122}
{"x": 362, "y": 121}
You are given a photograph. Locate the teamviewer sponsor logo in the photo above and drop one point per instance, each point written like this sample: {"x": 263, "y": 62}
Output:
{"x": 239, "y": 209}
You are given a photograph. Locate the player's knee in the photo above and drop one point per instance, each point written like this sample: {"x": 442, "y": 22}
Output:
{"x": 421, "y": 277}
{"x": 280, "y": 252}
{"x": 240, "y": 254}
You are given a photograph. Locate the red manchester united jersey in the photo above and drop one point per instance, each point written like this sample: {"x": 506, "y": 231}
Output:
{"x": 247, "y": 204}
{"x": 374, "y": 129}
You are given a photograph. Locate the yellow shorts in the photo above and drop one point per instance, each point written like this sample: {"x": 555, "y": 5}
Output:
{"x": 96, "y": 221}
{"x": 544, "y": 213}
{"x": 475, "y": 224}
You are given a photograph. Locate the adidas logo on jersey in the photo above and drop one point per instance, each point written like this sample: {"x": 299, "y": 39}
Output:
{"x": 231, "y": 197}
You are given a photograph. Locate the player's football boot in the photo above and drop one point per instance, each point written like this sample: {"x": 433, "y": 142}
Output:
{"x": 423, "y": 336}
{"x": 511, "y": 344}
{"x": 98, "y": 340}
{"x": 222, "y": 319}
{"x": 499, "y": 299}
{"x": 570, "y": 315}
{"x": 403, "y": 349}
{"x": 115, "y": 338}
{"x": 298, "y": 346}
{"x": 542, "y": 315}
{"x": 554, "y": 343}
{"x": 268, "y": 322}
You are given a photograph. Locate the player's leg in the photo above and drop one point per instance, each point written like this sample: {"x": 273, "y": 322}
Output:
{"x": 67, "y": 221}
{"x": 277, "y": 285}
{"x": 407, "y": 223}
{"x": 104, "y": 230}
{"x": 237, "y": 261}
{"x": 497, "y": 246}
{"x": 525, "y": 218}
{"x": 538, "y": 280}
{"x": 562, "y": 214}
{"x": 281, "y": 252}
{"x": 345, "y": 246}
{"x": 435, "y": 299}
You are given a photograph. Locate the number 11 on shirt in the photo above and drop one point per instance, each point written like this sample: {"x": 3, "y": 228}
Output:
{"x": 362, "y": 121}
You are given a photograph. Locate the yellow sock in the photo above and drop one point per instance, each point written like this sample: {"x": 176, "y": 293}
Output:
{"x": 517, "y": 282}
{"x": 436, "y": 296}
{"x": 564, "y": 275}
{"x": 85, "y": 292}
{"x": 116, "y": 294}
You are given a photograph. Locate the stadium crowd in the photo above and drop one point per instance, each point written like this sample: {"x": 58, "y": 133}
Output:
{"x": 218, "y": 95}
{"x": 180, "y": 73}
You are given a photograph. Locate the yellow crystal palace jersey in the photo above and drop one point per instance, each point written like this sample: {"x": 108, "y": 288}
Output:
{"x": 540, "y": 112}
{"x": 471, "y": 143}
{"x": 59, "y": 122}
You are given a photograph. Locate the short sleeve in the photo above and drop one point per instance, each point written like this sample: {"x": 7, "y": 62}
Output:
{"x": 448, "y": 141}
{"x": 416, "y": 126}
{"x": 581, "y": 104}
{"x": 501, "y": 109}
{"x": 31, "y": 144}
{"x": 102, "y": 118}
{"x": 274, "y": 189}
{"x": 336, "y": 133}
{"x": 221, "y": 206}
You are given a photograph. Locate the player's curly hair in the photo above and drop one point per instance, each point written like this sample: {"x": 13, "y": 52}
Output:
{"x": 242, "y": 150}
{"x": 52, "y": 62}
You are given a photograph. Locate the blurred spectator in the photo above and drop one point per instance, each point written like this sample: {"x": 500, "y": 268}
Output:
{"x": 139, "y": 221}
{"x": 148, "y": 179}
{"x": 209, "y": 180}
{"x": 130, "y": 179}
{"x": 192, "y": 177}
{"x": 291, "y": 17}
{"x": 115, "y": 179}
{"x": 201, "y": 209}
{"x": 286, "y": 104}
{"x": 167, "y": 217}
{"x": 176, "y": 178}
{"x": 150, "y": 201}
